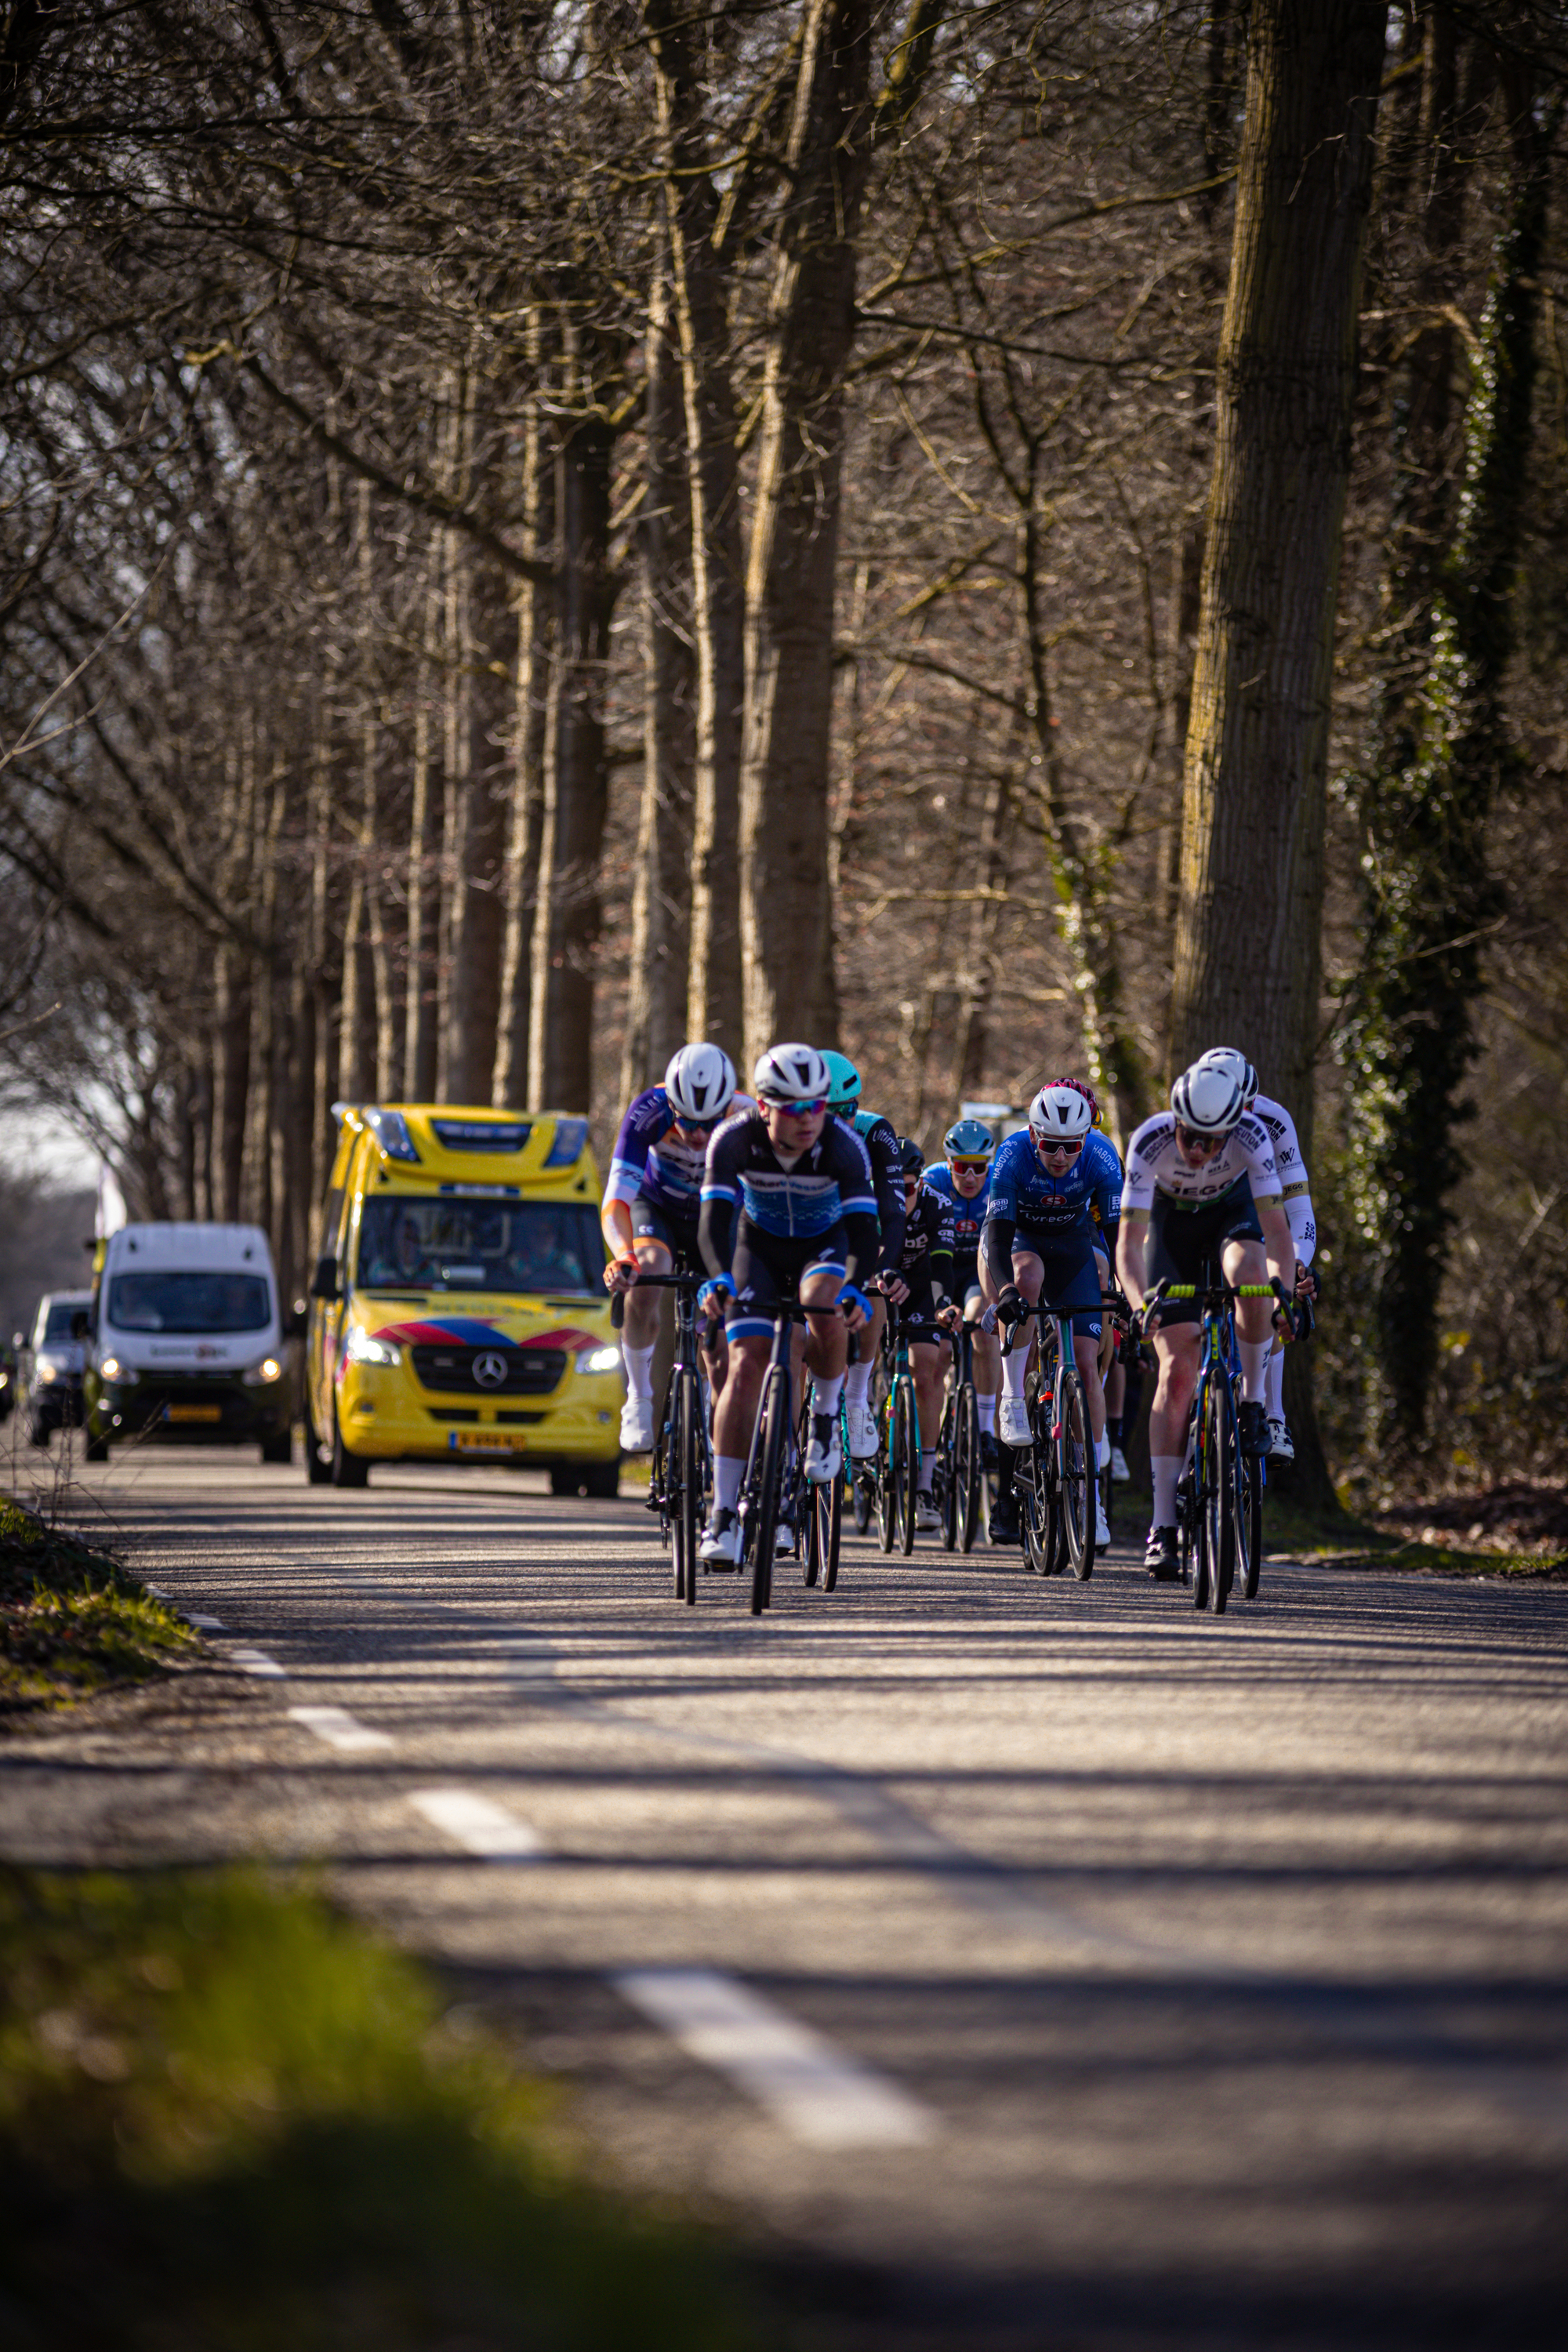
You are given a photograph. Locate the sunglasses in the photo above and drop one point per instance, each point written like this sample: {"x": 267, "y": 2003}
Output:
{"x": 796, "y": 1109}
{"x": 1190, "y": 1140}
{"x": 969, "y": 1166}
{"x": 1072, "y": 1147}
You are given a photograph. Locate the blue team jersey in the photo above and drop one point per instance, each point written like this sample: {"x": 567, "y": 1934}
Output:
{"x": 1064, "y": 1206}
{"x": 967, "y": 1217}
{"x": 648, "y": 1160}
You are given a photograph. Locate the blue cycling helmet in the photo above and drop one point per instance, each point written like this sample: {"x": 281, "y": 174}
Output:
{"x": 843, "y": 1082}
{"x": 970, "y": 1140}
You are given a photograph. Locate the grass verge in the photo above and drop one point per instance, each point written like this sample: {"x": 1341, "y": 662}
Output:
{"x": 230, "y": 2121}
{"x": 72, "y": 1621}
{"x": 1339, "y": 1540}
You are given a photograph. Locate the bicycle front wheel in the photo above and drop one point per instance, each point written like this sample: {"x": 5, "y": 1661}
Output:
{"x": 1250, "y": 1523}
{"x": 905, "y": 1464}
{"x": 966, "y": 1471}
{"x": 684, "y": 1500}
{"x": 1219, "y": 1494}
{"x": 1075, "y": 1473}
{"x": 825, "y": 1504}
{"x": 944, "y": 1479}
{"x": 772, "y": 1451}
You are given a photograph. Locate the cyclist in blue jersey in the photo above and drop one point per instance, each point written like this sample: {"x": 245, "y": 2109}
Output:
{"x": 960, "y": 1178}
{"x": 789, "y": 1205}
{"x": 650, "y": 1208}
{"x": 1038, "y": 1243}
{"x": 880, "y": 1139}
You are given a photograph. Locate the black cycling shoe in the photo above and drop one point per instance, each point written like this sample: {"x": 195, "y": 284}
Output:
{"x": 1161, "y": 1557}
{"x": 1006, "y": 1529}
{"x": 990, "y": 1459}
{"x": 1252, "y": 1430}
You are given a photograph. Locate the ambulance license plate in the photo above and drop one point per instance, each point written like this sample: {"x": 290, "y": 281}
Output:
{"x": 486, "y": 1441}
{"x": 193, "y": 1412}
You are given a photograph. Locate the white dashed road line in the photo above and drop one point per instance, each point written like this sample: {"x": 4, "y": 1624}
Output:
{"x": 201, "y": 1624}
{"x": 257, "y": 1662}
{"x": 817, "y": 2094}
{"x": 477, "y": 1825}
{"x": 340, "y": 1729}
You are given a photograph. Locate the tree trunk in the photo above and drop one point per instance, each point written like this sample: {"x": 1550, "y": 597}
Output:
{"x": 657, "y": 997}
{"x": 566, "y": 923}
{"x": 786, "y": 914}
{"x": 533, "y": 735}
{"x": 488, "y": 713}
{"x": 1249, "y": 923}
{"x": 702, "y": 270}
{"x": 232, "y": 1088}
{"x": 420, "y": 1037}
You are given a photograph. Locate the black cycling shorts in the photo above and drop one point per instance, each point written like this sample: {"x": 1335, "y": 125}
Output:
{"x": 652, "y": 1222}
{"x": 1182, "y": 1241}
{"x": 768, "y": 1268}
{"x": 917, "y": 1312}
{"x": 1071, "y": 1285}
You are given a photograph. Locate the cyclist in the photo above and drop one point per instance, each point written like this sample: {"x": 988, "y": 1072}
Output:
{"x": 650, "y": 1208}
{"x": 1038, "y": 1246}
{"x": 960, "y": 1178}
{"x": 880, "y": 1139}
{"x": 924, "y": 1269}
{"x": 788, "y": 1206}
{"x": 1112, "y": 1379}
{"x": 1297, "y": 1195}
{"x": 1201, "y": 1181}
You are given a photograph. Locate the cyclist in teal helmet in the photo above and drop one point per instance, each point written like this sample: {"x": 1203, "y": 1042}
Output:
{"x": 881, "y": 1142}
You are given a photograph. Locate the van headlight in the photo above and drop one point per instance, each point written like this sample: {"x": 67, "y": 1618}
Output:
{"x": 364, "y": 1348}
{"x": 123, "y": 1375}
{"x": 262, "y": 1374}
{"x": 599, "y": 1360}
{"x": 48, "y": 1372}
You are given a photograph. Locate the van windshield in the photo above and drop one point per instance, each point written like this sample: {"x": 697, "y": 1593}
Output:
{"x": 480, "y": 1243}
{"x": 57, "y": 1328}
{"x": 189, "y": 1303}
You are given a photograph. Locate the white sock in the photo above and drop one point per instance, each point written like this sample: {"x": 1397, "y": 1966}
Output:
{"x": 985, "y": 1413}
{"x": 729, "y": 1469}
{"x": 1014, "y": 1368}
{"x": 1101, "y": 1452}
{"x": 1167, "y": 1469}
{"x": 1254, "y": 1356}
{"x": 638, "y": 1362}
{"x": 858, "y": 1385}
{"x": 825, "y": 1395}
{"x": 1274, "y": 1385}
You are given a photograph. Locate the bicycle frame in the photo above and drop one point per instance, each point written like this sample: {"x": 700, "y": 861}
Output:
{"x": 1221, "y": 1515}
{"x": 687, "y": 1396}
{"x": 1057, "y": 1492}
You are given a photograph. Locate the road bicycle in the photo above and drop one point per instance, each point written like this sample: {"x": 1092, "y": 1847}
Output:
{"x": 1219, "y": 1496}
{"x": 958, "y": 1480}
{"x": 775, "y": 1488}
{"x": 1056, "y": 1485}
{"x": 891, "y": 1479}
{"x": 681, "y": 1476}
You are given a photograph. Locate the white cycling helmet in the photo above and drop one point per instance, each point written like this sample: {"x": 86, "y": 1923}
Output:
{"x": 1059, "y": 1114}
{"x": 792, "y": 1073}
{"x": 1207, "y": 1100}
{"x": 699, "y": 1083}
{"x": 1231, "y": 1058}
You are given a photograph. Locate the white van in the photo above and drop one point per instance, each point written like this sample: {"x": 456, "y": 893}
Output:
{"x": 188, "y": 1341}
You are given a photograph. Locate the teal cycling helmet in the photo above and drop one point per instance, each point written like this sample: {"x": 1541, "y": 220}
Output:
{"x": 970, "y": 1140}
{"x": 843, "y": 1082}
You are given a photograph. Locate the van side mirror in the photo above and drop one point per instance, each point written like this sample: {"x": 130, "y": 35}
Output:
{"x": 324, "y": 1281}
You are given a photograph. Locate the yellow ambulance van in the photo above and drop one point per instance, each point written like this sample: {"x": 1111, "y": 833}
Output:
{"x": 457, "y": 1307}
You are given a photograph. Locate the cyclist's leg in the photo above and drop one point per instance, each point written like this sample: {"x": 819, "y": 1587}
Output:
{"x": 1246, "y": 1260}
{"x": 749, "y": 1329}
{"x": 652, "y": 1243}
{"x": 1172, "y": 1252}
{"x": 926, "y": 1359}
{"x": 985, "y": 1358}
{"x": 1028, "y": 1274}
{"x": 827, "y": 1350}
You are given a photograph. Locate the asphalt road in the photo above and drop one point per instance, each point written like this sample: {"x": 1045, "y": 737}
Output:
{"x": 1018, "y": 1963}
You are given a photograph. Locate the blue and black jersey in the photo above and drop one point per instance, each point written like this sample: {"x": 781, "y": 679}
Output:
{"x": 1047, "y": 1212}
{"x": 827, "y": 1186}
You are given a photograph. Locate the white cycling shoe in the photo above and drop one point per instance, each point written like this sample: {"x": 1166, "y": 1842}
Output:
{"x": 784, "y": 1538}
{"x": 1013, "y": 1422}
{"x": 1282, "y": 1445}
{"x": 636, "y": 1425}
{"x": 862, "y": 1432}
{"x": 822, "y": 1456}
{"x": 1102, "y": 1524}
{"x": 1120, "y": 1473}
{"x": 721, "y": 1544}
{"x": 928, "y": 1520}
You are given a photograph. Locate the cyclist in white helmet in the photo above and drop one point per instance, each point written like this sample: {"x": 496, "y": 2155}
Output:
{"x": 1201, "y": 1183}
{"x": 650, "y": 1208}
{"x": 789, "y": 1208}
{"x": 1297, "y": 1195}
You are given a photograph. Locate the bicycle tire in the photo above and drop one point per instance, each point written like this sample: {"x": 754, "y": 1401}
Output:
{"x": 906, "y": 1462}
{"x": 967, "y": 1475}
{"x": 687, "y": 1500}
{"x": 827, "y": 1509}
{"x": 1219, "y": 1496}
{"x": 1075, "y": 1473}
{"x": 1042, "y": 1532}
{"x": 1249, "y": 1524}
{"x": 805, "y": 1551}
{"x": 944, "y": 1474}
{"x": 865, "y": 1498}
{"x": 775, "y": 1437}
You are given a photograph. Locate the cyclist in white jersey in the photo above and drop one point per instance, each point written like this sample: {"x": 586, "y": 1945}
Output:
{"x": 1299, "y": 1215}
{"x": 1201, "y": 1183}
